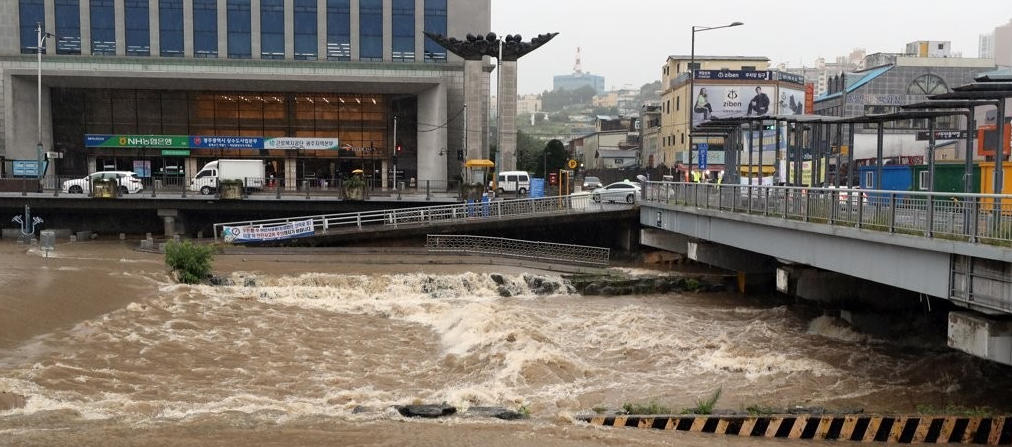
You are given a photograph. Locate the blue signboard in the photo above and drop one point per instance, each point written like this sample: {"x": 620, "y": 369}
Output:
{"x": 27, "y": 168}
{"x": 703, "y": 148}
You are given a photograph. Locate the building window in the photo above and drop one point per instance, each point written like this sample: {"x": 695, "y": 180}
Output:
{"x": 68, "y": 27}
{"x": 138, "y": 28}
{"x": 205, "y": 28}
{"x": 170, "y": 28}
{"x": 403, "y": 21}
{"x": 370, "y": 18}
{"x": 103, "y": 27}
{"x": 928, "y": 84}
{"x": 435, "y": 22}
{"x": 272, "y": 29}
{"x": 305, "y": 30}
{"x": 678, "y": 103}
{"x": 31, "y": 13}
{"x": 338, "y": 30}
{"x": 239, "y": 19}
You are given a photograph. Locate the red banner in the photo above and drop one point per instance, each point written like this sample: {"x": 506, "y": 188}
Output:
{"x": 810, "y": 98}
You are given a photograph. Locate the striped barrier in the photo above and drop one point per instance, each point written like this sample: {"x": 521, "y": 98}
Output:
{"x": 866, "y": 428}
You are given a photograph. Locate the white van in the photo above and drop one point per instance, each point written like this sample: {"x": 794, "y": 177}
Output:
{"x": 513, "y": 181}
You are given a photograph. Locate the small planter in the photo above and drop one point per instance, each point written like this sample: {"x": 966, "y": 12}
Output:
{"x": 230, "y": 189}
{"x": 472, "y": 191}
{"x": 354, "y": 188}
{"x": 104, "y": 189}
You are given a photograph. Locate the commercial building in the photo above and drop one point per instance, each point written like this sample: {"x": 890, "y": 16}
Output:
{"x": 889, "y": 82}
{"x": 724, "y": 86}
{"x": 313, "y": 87}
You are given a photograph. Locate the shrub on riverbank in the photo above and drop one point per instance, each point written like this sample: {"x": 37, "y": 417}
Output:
{"x": 190, "y": 262}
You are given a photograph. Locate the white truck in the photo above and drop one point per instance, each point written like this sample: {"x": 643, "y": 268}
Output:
{"x": 250, "y": 172}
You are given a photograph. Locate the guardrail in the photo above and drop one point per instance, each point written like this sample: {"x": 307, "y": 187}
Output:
{"x": 516, "y": 248}
{"x": 493, "y": 209}
{"x": 178, "y": 186}
{"x": 976, "y": 218}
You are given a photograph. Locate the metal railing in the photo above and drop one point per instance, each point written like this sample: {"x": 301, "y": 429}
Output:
{"x": 975, "y": 218}
{"x": 429, "y": 215}
{"x": 516, "y": 248}
{"x": 173, "y": 186}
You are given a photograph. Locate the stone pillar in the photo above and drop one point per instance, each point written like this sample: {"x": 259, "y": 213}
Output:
{"x": 169, "y": 220}
{"x": 474, "y": 79}
{"x": 433, "y": 151}
{"x": 508, "y": 115}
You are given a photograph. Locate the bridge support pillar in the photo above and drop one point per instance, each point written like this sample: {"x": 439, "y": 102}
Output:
{"x": 813, "y": 284}
{"x": 664, "y": 240}
{"x": 755, "y": 271}
{"x": 981, "y": 336}
{"x": 169, "y": 217}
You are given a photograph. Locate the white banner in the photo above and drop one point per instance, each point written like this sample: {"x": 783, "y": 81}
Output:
{"x": 258, "y": 233}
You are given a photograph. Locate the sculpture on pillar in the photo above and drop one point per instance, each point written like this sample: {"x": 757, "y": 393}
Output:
{"x": 476, "y": 46}
{"x": 508, "y": 50}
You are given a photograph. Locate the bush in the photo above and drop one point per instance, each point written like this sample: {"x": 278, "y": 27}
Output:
{"x": 190, "y": 262}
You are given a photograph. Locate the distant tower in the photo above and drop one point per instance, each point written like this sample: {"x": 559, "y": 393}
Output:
{"x": 577, "y": 69}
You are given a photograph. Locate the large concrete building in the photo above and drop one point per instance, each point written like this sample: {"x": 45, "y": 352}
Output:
{"x": 313, "y": 87}
{"x": 889, "y": 82}
{"x": 724, "y": 86}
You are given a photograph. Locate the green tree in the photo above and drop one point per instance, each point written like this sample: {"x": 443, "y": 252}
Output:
{"x": 555, "y": 155}
{"x": 528, "y": 153}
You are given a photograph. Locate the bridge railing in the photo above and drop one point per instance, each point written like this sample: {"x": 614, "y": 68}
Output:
{"x": 516, "y": 248}
{"x": 417, "y": 216}
{"x": 976, "y": 218}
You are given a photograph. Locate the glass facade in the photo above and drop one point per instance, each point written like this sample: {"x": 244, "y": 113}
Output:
{"x": 170, "y": 28}
{"x": 137, "y": 22}
{"x": 339, "y": 30}
{"x": 103, "y": 27}
{"x": 239, "y": 19}
{"x": 238, "y": 35}
{"x": 205, "y": 28}
{"x": 370, "y": 36}
{"x": 403, "y": 21}
{"x": 30, "y": 13}
{"x": 305, "y": 30}
{"x": 435, "y": 22}
{"x": 68, "y": 27}
{"x": 272, "y": 29}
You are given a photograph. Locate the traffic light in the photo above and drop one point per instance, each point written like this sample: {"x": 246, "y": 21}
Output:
{"x": 460, "y": 155}
{"x": 400, "y": 148}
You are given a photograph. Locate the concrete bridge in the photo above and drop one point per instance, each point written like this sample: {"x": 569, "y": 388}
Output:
{"x": 833, "y": 244}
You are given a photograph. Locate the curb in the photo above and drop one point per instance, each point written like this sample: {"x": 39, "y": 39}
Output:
{"x": 864, "y": 428}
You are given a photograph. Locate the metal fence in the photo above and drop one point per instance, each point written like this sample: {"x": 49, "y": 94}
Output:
{"x": 516, "y": 248}
{"x": 418, "y": 216}
{"x": 172, "y": 186}
{"x": 977, "y": 218}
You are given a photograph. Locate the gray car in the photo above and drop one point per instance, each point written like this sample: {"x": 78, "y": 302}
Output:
{"x": 615, "y": 192}
{"x": 591, "y": 183}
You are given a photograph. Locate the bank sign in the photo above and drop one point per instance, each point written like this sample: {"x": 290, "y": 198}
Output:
{"x": 208, "y": 142}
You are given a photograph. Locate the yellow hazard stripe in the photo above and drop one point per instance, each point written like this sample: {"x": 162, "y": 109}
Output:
{"x": 862, "y": 428}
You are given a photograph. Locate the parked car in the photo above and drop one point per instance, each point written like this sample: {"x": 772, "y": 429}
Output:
{"x": 591, "y": 183}
{"x": 128, "y": 182}
{"x": 624, "y": 191}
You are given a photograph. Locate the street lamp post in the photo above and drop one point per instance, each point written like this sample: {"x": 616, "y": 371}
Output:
{"x": 38, "y": 148}
{"x": 692, "y": 77}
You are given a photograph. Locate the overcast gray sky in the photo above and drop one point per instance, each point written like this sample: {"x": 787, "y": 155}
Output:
{"x": 628, "y": 41}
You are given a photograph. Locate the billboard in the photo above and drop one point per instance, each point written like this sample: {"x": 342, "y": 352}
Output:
{"x": 730, "y": 100}
{"x": 791, "y": 101}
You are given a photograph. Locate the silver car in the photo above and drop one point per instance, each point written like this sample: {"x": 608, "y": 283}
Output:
{"x": 127, "y": 181}
{"x": 618, "y": 191}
